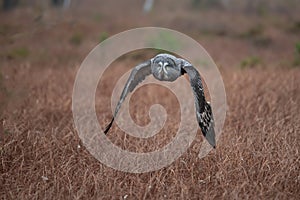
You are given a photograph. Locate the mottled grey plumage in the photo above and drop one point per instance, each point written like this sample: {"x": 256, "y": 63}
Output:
{"x": 166, "y": 67}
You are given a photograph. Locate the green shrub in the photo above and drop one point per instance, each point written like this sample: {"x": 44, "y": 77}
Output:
{"x": 254, "y": 31}
{"x": 21, "y": 52}
{"x": 296, "y": 62}
{"x": 250, "y": 62}
{"x": 76, "y": 38}
{"x": 97, "y": 17}
{"x": 164, "y": 40}
{"x": 297, "y": 47}
{"x": 257, "y": 36}
{"x": 262, "y": 41}
{"x": 103, "y": 36}
{"x": 295, "y": 27}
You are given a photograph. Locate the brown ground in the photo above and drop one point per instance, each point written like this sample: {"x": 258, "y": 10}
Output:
{"x": 257, "y": 155}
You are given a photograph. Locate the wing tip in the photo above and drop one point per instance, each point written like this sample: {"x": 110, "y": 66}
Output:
{"x": 210, "y": 137}
{"x": 109, "y": 126}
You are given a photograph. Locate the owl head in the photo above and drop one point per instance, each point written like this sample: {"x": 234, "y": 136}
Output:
{"x": 165, "y": 67}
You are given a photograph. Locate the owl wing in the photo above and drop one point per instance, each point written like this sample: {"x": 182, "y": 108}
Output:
{"x": 203, "y": 109}
{"x": 138, "y": 74}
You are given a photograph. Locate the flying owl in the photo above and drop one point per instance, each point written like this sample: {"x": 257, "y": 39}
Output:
{"x": 166, "y": 67}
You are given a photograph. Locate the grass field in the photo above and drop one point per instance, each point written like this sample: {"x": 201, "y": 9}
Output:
{"x": 42, "y": 156}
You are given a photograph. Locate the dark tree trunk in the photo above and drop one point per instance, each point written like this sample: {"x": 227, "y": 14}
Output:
{"x": 9, "y": 4}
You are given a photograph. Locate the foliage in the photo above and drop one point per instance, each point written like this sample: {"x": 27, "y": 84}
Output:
{"x": 257, "y": 35}
{"x": 297, "y": 55}
{"x": 76, "y": 38}
{"x": 250, "y": 62}
{"x": 20, "y": 52}
{"x": 262, "y": 41}
{"x": 97, "y": 17}
{"x": 254, "y": 31}
{"x": 103, "y": 36}
{"x": 297, "y": 47}
{"x": 165, "y": 40}
{"x": 295, "y": 28}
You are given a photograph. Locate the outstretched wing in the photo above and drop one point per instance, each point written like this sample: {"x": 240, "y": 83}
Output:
{"x": 203, "y": 109}
{"x": 138, "y": 74}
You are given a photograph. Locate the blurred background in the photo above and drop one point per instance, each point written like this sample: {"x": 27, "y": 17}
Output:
{"x": 255, "y": 44}
{"x": 235, "y": 33}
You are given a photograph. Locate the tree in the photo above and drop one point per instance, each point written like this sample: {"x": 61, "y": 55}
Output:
{"x": 9, "y": 4}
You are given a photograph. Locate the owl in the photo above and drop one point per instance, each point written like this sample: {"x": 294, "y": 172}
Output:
{"x": 166, "y": 67}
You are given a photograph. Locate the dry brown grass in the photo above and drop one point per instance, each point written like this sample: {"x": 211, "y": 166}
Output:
{"x": 41, "y": 155}
{"x": 257, "y": 155}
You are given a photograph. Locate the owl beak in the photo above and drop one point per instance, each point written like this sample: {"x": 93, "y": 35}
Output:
{"x": 160, "y": 67}
{"x": 164, "y": 68}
